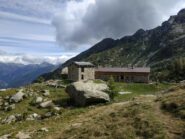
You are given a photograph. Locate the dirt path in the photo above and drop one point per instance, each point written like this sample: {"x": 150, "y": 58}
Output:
{"x": 174, "y": 126}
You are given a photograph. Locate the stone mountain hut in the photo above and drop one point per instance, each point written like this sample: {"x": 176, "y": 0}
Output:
{"x": 126, "y": 74}
{"x": 81, "y": 71}
{"x": 78, "y": 71}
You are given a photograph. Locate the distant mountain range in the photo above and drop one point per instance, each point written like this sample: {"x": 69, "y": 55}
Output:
{"x": 15, "y": 75}
{"x": 161, "y": 48}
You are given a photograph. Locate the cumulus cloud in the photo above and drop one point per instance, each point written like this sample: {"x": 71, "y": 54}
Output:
{"x": 32, "y": 59}
{"x": 88, "y": 21}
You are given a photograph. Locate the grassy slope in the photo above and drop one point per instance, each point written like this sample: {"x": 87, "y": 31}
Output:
{"x": 109, "y": 121}
{"x": 143, "y": 117}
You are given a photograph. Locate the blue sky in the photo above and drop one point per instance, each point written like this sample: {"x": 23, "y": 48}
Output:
{"x": 26, "y": 29}
{"x": 35, "y": 31}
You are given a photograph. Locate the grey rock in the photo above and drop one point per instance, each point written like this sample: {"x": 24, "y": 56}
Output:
{"x": 87, "y": 92}
{"x": 6, "y": 104}
{"x": 10, "y": 107}
{"x": 46, "y": 104}
{"x": 46, "y": 93}
{"x": 48, "y": 115}
{"x": 38, "y": 100}
{"x": 7, "y": 98}
{"x": 9, "y": 119}
{"x": 7, "y": 136}
{"x": 22, "y": 135}
{"x": 17, "y": 97}
{"x": 57, "y": 108}
{"x": 44, "y": 129}
{"x": 32, "y": 117}
{"x": 18, "y": 117}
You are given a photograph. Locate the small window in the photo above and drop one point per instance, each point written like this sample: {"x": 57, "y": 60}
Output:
{"x": 82, "y": 77}
{"x": 82, "y": 69}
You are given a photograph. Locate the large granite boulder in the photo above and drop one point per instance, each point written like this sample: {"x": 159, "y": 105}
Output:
{"x": 87, "y": 92}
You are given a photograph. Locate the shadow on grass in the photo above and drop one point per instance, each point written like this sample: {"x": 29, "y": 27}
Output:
{"x": 68, "y": 103}
{"x": 64, "y": 102}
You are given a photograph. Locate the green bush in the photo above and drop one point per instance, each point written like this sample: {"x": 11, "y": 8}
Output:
{"x": 113, "y": 91}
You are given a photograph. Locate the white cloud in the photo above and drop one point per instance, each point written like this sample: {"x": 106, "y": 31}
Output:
{"x": 32, "y": 59}
{"x": 69, "y": 20}
{"x": 86, "y": 22}
{"x": 13, "y": 16}
{"x": 34, "y": 8}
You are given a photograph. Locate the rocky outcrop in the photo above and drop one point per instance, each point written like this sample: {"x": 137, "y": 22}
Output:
{"x": 85, "y": 93}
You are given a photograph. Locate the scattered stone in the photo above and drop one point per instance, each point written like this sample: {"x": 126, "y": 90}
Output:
{"x": 44, "y": 129}
{"x": 6, "y": 104}
{"x": 17, "y": 97}
{"x": 19, "y": 117}
{"x": 3, "y": 90}
{"x": 22, "y": 135}
{"x": 46, "y": 93}
{"x": 32, "y": 117}
{"x": 1, "y": 101}
{"x": 46, "y": 104}
{"x": 38, "y": 100}
{"x": 57, "y": 108}
{"x": 124, "y": 93}
{"x": 7, "y": 98}
{"x": 10, "y": 107}
{"x": 48, "y": 115}
{"x": 5, "y": 136}
{"x": 88, "y": 92}
{"x": 76, "y": 125}
{"x": 9, "y": 119}
{"x": 55, "y": 83}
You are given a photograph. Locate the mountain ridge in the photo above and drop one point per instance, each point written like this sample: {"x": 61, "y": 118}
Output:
{"x": 15, "y": 75}
{"x": 158, "y": 48}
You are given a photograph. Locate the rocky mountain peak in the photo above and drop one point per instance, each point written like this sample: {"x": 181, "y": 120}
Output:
{"x": 181, "y": 12}
{"x": 180, "y": 18}
{"x": 139, "y": 32}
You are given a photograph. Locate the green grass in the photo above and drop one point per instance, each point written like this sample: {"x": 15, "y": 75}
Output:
{"x": 138, "y": 89}
{"x": 56, "y": 123}
{"x": 119, "y": 122}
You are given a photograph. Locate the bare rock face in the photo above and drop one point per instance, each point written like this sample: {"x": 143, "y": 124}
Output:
{"x": 88, "y": 92}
